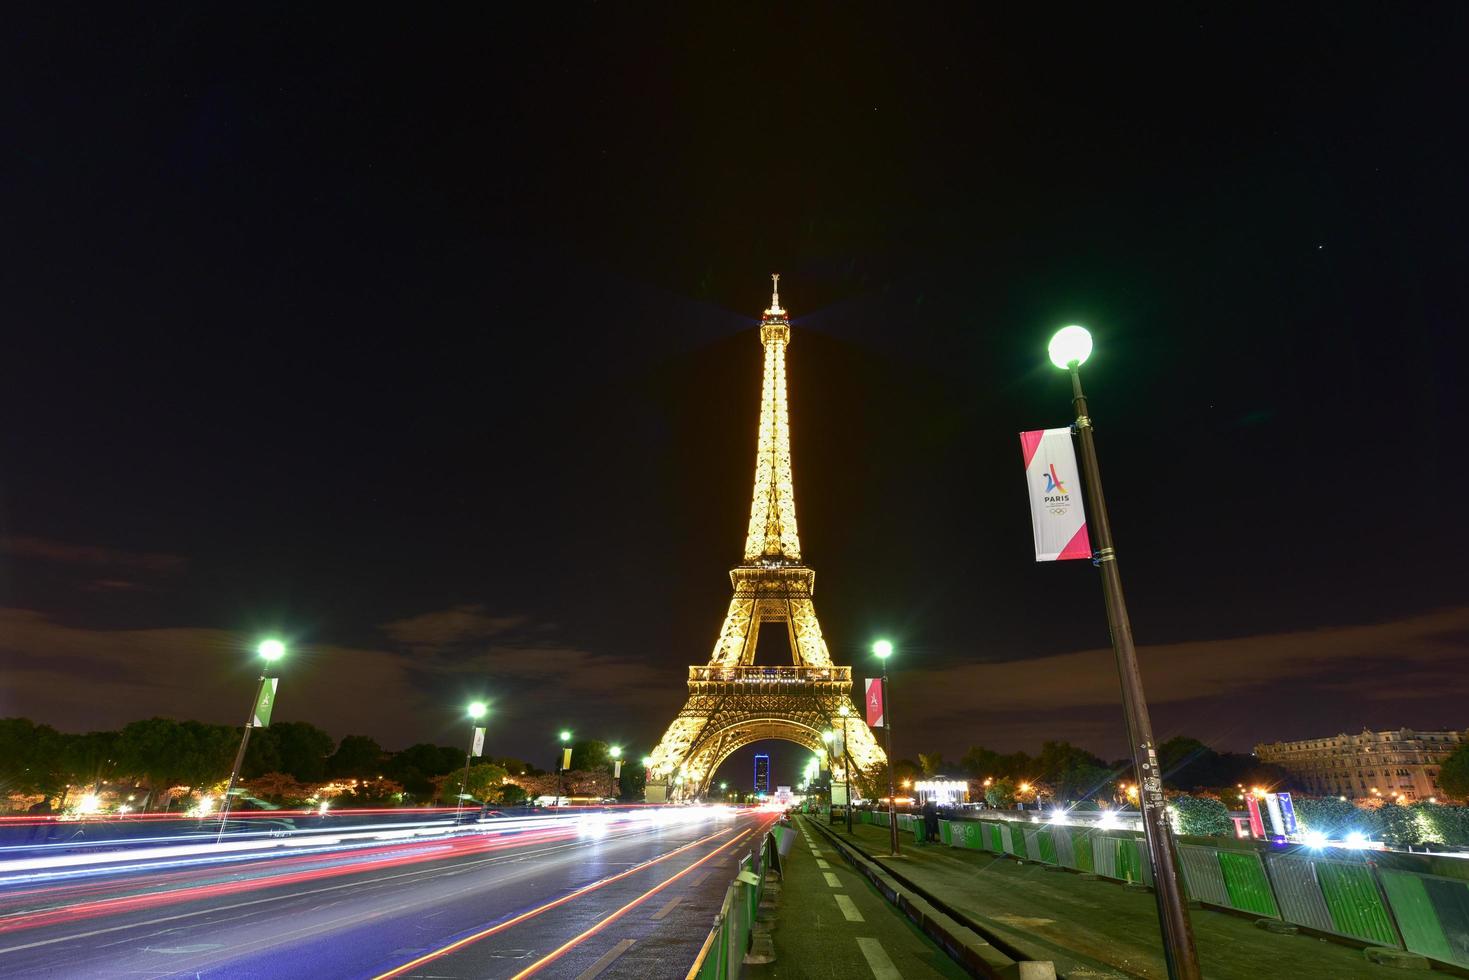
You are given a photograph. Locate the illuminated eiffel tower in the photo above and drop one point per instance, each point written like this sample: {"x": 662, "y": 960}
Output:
{"x": 731, "y": 701}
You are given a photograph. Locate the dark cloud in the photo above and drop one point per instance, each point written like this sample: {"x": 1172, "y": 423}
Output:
{"x": 91, "y": 555}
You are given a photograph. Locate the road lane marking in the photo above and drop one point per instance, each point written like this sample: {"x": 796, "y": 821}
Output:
{"x": 476, "y": 937}
{"x": 658, "y": 915}
{"x": 878, "y": 960}
{"x": 606, "y": 960}
{"x": 822, "y": 864}
{"x": 849, "y": 908}
{"x": 699, "y": 879}
{"x": 556, "y": 953}
{"x": 832, "y": 879}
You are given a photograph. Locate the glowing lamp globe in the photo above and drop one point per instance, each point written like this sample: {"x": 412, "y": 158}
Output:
{"x": 478, "y": 710}
{"x": 271, "y": 650}
{"x": 566, "y": 736}
{"x": 1071, "y": 345}
{"x": 616, "y": 751}
{"x": 883, "y": 649}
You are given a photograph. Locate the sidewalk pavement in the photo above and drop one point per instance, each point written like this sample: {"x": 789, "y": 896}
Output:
{"x": 1098, "y": 928}
{"x": 830, "y": 922}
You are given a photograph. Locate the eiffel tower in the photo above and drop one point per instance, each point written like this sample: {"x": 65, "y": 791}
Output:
{"x": 732, "y": 702}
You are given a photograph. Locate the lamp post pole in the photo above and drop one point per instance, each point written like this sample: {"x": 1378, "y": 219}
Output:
{"x": 1068, "y": 349}
{"x": 270, "y": 651}
{"x": 476, "y": 711}
{"x": 847, "y": 766}
{"x": 561, "y": 767}
{"x": 884, "y": 649}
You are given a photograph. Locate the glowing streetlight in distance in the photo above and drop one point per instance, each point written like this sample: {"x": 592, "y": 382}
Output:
{"x": 271, "y": 650}
{"x": 616, "y": 751}
{"x": 477, "y": 709}
{"x": 647, "y": 760}
{"x": 1071, "y": 345}
{"x": 883, "y": 649}
{"x": 565, "y": 736}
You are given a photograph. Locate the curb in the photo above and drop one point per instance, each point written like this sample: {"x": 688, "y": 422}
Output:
{"x": 965, "y": 944}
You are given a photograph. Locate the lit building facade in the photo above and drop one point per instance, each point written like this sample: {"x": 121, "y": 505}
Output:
{"x": 1402, "y": 763}
{"x": 762, "y": 773}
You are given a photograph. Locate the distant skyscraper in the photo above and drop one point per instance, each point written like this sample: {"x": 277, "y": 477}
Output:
{"x": 762, "y": 773}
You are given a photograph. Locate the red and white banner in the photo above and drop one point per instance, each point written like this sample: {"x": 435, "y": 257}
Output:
{"x": 874, "y": 702}
{"x": 1056, "y": 512}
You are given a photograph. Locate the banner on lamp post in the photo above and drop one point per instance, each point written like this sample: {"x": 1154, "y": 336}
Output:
{"x": 1056, "y": 513}
{"x": 265, "y": 703}
{"x": 874, "y": 702}
{"x": 479, "y": 742}
{"x": 565, "y": 760}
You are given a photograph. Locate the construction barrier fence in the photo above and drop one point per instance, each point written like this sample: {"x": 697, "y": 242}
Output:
{"x": 1406, "y": 901}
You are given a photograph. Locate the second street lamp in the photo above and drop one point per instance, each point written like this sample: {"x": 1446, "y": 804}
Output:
{"x": 846, "y": 764}
{"x": 882, "y": 649}
{"x": 1068, "y": 349}
{"x": 270, "y": 651}
{"x": 563, "y": 763}
{"x": 476, "y": 711}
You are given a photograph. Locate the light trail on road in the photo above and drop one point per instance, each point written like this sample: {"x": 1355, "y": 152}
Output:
{"x": 368, "y": 907}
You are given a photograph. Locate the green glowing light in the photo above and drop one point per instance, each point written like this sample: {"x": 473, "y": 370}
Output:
{"x": 478, "y": 709}
{"x": 271, "y": 650}
{"x": 1071, "y": 345}
{"x": 883, "y": 649}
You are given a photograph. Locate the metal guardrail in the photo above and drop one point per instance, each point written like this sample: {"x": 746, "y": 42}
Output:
{"x": 723, "y": 952}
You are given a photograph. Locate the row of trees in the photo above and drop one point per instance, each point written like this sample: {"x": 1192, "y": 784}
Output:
{"x": 283, "y": 761}
{"x": 1068, "y": 772}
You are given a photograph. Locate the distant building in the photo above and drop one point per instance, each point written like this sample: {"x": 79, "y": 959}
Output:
{"x": 1386, "y": 764}
{"x": 762, "y": 773}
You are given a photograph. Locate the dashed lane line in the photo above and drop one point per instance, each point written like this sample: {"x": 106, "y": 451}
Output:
{"x": 832, "y": 879}
{"x": 849, "y": 908}
{"x": 878, "y": 960}
{"x": 822, "y": 865}
{"x": 606, "y": 959}
{"x": 658, "y": 915}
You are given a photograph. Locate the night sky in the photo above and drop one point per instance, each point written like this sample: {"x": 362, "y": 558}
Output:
{"x": 430, "y": 343}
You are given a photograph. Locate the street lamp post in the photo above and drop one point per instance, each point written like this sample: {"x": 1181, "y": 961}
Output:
{"x": 561, "y": 766}
{"x": 846, "y": 764}
{"x": 883, "y": 649}
{"x": 476, "y": 711}
{"x": 616, "y": 753}
{"x": 270, "y": 651}
{"x": 1068, "y": 349}
{"x": 828, "y": 737}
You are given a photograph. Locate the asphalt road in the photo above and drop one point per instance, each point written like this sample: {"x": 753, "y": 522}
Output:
{"x": 561, "y": 902}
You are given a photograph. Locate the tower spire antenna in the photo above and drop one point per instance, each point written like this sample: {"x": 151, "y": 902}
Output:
{"x": 775, "y": 293}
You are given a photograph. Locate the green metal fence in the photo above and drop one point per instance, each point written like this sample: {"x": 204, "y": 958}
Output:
{"x": 723, "y": 952}
{"x": 1406, "y": 901}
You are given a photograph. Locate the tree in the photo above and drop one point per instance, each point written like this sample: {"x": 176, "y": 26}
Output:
{"x": 279, "y": 787}
{"x": 931, "y": 765}
{"x": 1000, "y": 794}
{"x": 1199, "y": 817}
{"x": 30, "y": 757}
{"x": 88, "y": 759}
{"x": 484, "y": 779}
{"x": 1453, "y": 773}
{"x": 304, "y": 749}
{"x": 591, "y": 755}
{"x": 358, "y": 756}
{"x": 416, "y": 766}
{"x": 510, "y": 794}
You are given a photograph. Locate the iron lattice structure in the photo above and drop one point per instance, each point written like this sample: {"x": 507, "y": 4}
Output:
{"x": 732, "y": 702}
